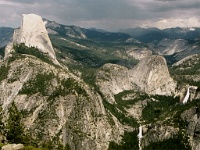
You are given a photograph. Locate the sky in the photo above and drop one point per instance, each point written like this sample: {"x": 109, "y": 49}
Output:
{"x": 110, "y": 15}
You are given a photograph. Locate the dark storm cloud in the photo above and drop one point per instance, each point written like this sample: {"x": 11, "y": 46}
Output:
{"x": 23, "y": 1}
{"x": 104, "y": 9}
{"x": 107, "y": 14}
{"x": 168, "y": 0}
{"x": 174, "y": 5}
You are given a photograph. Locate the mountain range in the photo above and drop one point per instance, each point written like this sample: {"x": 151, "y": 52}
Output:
{"x": 76, "y": 88}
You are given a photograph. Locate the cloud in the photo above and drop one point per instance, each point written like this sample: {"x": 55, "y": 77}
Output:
{"x": 169, "y": 23}
{"x": 106, "y": 14}
{"x": 168, "y": 0}
{"x": 16, "y": 3}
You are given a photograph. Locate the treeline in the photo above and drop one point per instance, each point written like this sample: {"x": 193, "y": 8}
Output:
{"x": 23, "y": 49}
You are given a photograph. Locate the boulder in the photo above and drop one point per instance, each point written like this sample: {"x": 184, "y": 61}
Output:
{"x": 13, "y": 147}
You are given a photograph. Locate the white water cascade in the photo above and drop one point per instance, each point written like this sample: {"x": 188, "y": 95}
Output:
{"x": 140, "y": 137}
{"x": 185, "y": 100}
{"x": 64, "y": 136}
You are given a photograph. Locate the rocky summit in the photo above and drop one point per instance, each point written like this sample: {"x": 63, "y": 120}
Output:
{"x": 152, "y": 75}
{"x": 33, "y": 33}
{"x": 101, "y": 91}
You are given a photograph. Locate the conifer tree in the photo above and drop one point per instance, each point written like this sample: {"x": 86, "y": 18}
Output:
{"x": 14, "y": 126}
{"x": 1, "y": 122}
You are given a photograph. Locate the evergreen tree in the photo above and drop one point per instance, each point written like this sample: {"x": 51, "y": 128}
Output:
{"x": 1, "y": 122}
{"x": 14, "y": 126}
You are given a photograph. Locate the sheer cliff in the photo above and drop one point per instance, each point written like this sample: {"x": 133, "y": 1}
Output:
{"x": 150, "y": 75}
{"x": 91, "y": 94}
{"x": 33, "y": 34}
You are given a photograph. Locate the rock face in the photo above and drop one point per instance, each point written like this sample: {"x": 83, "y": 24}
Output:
{"x": 192, "y": 117}
{"x": 152, "y": 76}
{"x": 158, "y": 133}
{"x": 113, "y": 79}
{"x": 33, "y": 34}
{"x": 139, "y": 53}
{"x": 13, "y": 147}
{"x": 74, "y": 116}
{"x": 169, "y": 47}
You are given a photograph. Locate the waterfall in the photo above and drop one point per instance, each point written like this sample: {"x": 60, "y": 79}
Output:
{"x": 185, "y": 100}
{"x": 140, "y": 137}
{"x": 64, "y": 136}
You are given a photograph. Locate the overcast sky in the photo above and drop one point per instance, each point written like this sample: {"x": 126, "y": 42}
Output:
{"x": 105, "y": 14}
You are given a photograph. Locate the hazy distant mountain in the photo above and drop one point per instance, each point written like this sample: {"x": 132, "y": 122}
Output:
{"x": 105, "y": 89}
{"x": 173, "y": 43}
{"x": 146, "y": 35}
{"x": 5, "y": 35}
{"x": 77, "y": 32}
{"x": 95, "y": 29}
{"x": 155, "y": 35}
{"x": 183, "y": 33}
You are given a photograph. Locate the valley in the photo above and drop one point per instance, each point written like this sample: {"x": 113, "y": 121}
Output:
{"x": 76, "y": 88}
